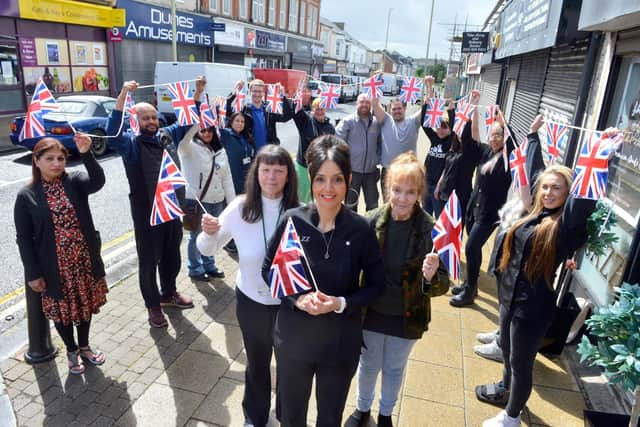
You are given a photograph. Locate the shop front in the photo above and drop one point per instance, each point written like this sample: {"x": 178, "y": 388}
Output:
{"x": 264, "y": 49}
{"x": 64, "y": 43}
{"x": 146, "y": 39}
{"x": 301, "y": 54}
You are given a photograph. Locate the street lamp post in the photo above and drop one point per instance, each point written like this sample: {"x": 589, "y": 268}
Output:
{"x": 386, "y": 40}
{"x": 426, "y": 59}
{"x": 174, "y": 42}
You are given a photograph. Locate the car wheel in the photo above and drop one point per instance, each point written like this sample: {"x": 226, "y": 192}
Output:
{"x": 98, "y": 144}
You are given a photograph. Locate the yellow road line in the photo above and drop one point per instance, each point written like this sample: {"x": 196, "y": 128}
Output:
{"x": 12, "y": 295}
{"x": 117, "y": 241}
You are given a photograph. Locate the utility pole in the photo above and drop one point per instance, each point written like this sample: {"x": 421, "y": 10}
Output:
{"x": 426, "y": 58}
{"x": 386, "y": 40}
{"x": 174, "y": 36}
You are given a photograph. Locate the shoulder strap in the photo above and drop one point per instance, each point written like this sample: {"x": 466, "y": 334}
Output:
{"x": 206, "y": 184}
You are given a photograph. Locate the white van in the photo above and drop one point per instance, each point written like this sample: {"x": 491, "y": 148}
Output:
{"x": 221, "y": 78}
{"x": 390, "y": 84}
{"x": 347, "y": 88}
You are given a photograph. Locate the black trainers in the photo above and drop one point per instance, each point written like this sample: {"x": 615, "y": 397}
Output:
{"x": 216, "y": 274}
{"x": 358, "y": 419}
{"x": 384, "y": 421}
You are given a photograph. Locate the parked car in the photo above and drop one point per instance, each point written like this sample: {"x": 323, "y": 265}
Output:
{"x": 86, "y": 113}
{"x": 347, "y": 88}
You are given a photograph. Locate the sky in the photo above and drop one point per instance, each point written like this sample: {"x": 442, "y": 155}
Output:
{"x": 366, "y": 20}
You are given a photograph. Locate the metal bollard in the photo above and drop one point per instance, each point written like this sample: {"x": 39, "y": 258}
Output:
{"x": 40, "y": 347}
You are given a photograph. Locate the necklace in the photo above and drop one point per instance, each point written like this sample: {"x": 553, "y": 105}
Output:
{"x": 326, "y": 245}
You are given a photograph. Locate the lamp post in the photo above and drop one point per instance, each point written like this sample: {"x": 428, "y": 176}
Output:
{"x": 174, "y": 42}
{"x": 426, "y": 59}
{"x": 386, "y": 40}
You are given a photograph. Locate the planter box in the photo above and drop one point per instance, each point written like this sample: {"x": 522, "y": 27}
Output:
{"x": 605, "y": 419}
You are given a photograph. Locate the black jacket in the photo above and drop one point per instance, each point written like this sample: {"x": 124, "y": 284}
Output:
{"x": 270, "y": 118}
{"x": 490, "y": 189}
{"x": 309, "y": 129}
{"x": 329, "y": 338}
{"x": 35, "y": 233}
{"x": 434, "y": 162}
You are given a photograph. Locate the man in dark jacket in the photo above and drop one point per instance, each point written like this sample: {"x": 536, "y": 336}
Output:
{"x": 260, "y": 123}
{"x": 158, "y": 247}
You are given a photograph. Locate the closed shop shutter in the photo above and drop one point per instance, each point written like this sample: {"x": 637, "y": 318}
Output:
{"x": 225, "y": 57}
{"x": 528, "y": 92}
{"x": 562, "y": 84}
{"x": 137, "y": 61}
{"x": 490, "y": 83}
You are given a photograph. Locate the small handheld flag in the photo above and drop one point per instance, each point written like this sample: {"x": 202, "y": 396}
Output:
{"x": 410, "y": 90}
{"x": 274, "y": 99}
{"x": 165, "y": 202}
{"x": 517, "y": 163}
{"x": 222, "y": 112}
{"x": 373, "y": 86}
{"x": 329, "y": 94}
{"x": 592, "y": 167}
{"x": 490, "y": 117}
{"x": 129, "y": 106}
{"x": 556, "y": 137}
{"x": 447, "y": 235}
{"x": 297, "y": 102}
{"x": 183, "y": 104}
{"x": 462, "y": 117}
{"x": 207, "y": 116}
{"x": 238, "y": 102}
{"x": 287, "y": 275}
{"x": 41, "y": 102}
{"x": 433, "y": 112}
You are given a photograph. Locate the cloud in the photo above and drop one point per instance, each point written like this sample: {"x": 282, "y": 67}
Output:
{"x": 408, "y": 24}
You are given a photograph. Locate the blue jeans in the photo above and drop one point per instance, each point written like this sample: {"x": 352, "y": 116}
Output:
{"x": 386, "y": 353}
{"x": 197, "y": 263}
{"x": 430, "y": 204}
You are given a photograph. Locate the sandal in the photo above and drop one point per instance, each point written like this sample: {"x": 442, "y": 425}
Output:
{"x": 493, "y": 394}
{"x": 95, "y": 357}
{"x": 75, "y": 363}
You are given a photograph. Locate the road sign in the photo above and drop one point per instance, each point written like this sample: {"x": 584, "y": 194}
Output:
{"x": 475, "y": 42}
{"x": 218, "y": 26}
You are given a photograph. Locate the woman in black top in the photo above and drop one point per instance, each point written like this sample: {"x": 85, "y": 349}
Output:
{"x": 493, "y": 179}
{"x": 59, "y": 245}
{"x": 319, "y": 334}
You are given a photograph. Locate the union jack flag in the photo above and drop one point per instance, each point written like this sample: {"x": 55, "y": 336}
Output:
{"x": 518, "y": 163}
{"x": 165, "y": 202}
{"x": 287, "y": 275}
{"x": 556, "y": 138}
{"x": 239, "y": 100}
{"x": 447, "y": 235}
{"x": 274, "y": 99}
{"x": 297, "y": 101}
{"x": 490, "y": 117}
{"x": 433, "y": 112}
{"x": 373, "y": 86}
{"x": 410, "y": 90}
{"x": 222, "y": 112}
{"x": 183, "y": 104}
{"x": 208, "y": 118}
{"x": 592, "y": 168}
{"x": 329, "y": 94}
{"x": 463, "y": 115}
{"x": 129, "y": 106}
{"x": 41, "y": 103}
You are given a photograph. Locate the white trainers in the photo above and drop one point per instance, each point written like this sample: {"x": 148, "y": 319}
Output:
{"x": 502, "y": 420}
{"x": 487, "y": 337}
{"x": 489, "y": 351}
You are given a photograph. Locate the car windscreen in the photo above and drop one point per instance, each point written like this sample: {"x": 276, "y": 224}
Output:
{"x": 73, "y": 107}
{"x": 331, "y": 79}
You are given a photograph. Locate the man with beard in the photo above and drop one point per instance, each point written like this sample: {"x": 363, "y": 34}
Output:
{"x": 361, "y": 131}
{"x": 158, "y": 247}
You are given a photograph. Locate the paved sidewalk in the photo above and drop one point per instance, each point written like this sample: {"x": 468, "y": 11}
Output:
{"x": 192, "y": 373}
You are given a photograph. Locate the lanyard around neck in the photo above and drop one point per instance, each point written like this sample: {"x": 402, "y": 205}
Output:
{"x": 264, "y": 232}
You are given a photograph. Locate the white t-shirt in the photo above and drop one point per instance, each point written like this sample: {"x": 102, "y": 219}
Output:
{"x": 250, "y": 240}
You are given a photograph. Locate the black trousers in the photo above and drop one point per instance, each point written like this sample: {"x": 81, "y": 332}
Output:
{"x": 158, "y": 250}
{"x": 478, "y": 234}
{"x": 332, "y": 387}
{"x": 66, "y": 333}
{"x": 256, "y": 323}
{"x": 368, "y": 182}
{"x": 521, "y": 335}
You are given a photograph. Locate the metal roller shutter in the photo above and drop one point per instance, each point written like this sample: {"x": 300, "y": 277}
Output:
{"x": 562, "y": 84}
{"x": 490, "y": 84}
{"x": 529, "y": 86}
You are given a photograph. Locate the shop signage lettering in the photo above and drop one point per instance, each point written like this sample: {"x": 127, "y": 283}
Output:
{"x": 474, "y": 42}
{"x": 63, "y": 11}
{"x": 154, "y": 23}
{"x": 28, "y": 56}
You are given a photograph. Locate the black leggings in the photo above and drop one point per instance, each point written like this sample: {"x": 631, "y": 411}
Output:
{"x": 66, "y": 333}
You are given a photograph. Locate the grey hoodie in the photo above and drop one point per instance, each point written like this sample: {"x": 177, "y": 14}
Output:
{"x": 363, "y": 137}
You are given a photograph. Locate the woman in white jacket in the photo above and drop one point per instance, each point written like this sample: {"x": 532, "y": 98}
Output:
{"x": 202, "y": 155}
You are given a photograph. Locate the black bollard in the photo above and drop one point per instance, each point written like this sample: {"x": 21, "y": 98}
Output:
{"x": 40, "y": 347}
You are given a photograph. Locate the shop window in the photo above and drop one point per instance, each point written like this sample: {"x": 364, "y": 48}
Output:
{"x": 214, "y": 6}
{"x": 293, "y": 15}
{"x": 9, "y": 71}
{"x": 283, "y": 14}
{"x": 226, "y": 7}
{"x": 257, "y": 11}
{"x": 303, "y": 13}
{"x": 272, "y": 13}
{"x": 242, "y": 9}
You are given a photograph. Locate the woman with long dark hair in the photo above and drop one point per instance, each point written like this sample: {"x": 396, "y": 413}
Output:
{"x": 240, "y": 147}
{"x": 271, "y": 189}
{"x": 319, "y": 333}
{"x": 59, "y": 245}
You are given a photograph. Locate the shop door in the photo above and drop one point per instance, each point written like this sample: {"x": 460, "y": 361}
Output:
{"x": 11, "y": 92}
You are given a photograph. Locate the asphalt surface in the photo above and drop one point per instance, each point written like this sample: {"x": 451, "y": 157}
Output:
{"x": 110, "y": 210}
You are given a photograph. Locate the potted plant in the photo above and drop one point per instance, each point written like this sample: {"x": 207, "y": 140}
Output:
{"x": 617, "y": 351}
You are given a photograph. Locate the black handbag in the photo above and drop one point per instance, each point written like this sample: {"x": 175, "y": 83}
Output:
{"x": 193, "y": 212}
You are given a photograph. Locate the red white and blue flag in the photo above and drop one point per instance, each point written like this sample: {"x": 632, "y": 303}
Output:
{"x": 490, "y": 117}
{"x": 433, "y": 112}
{"x": 287, "y": 275}
{"x": 463, "y": 115}
{"x": 373, "y": 86}
{"x": 329, "y": 94}
{"x": 297, "y": 101}
{"x": 165, "y": 202}
{"x": 208, "y": 117}
{"x": 274, "y": 99}
{"x": 410, "y": 90}
{"x": 183, "y": 104}
{"x": 447, "y": 235}
{"x": 239, "y": 100}
{"x": 222, "y": 111}
{"x": 517, "y": 164}
{"x": 592, "y": 168}
{"x": 42, "y": 102}
{"x": 129, "y": 107}
{"x": 556, "y": 138}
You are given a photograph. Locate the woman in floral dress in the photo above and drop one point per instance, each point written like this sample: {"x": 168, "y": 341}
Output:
{"x": 59, "y": 245}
